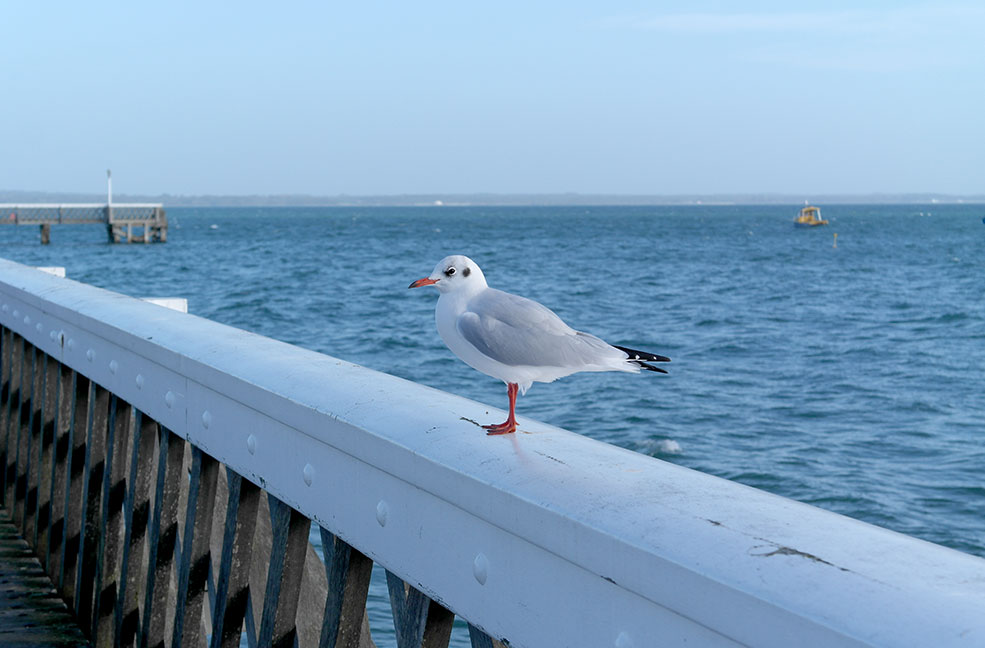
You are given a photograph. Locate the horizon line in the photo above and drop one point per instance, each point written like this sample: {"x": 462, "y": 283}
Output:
{"x": 450, "y": 199}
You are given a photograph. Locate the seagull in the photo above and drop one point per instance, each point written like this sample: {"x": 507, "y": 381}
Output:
{"x": 516, "y": 339}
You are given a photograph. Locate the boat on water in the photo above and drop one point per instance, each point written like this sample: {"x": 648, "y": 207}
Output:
{"x": 809, "y": 217}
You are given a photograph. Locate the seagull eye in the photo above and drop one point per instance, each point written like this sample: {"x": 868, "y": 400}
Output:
{"x": 450, "y": 271}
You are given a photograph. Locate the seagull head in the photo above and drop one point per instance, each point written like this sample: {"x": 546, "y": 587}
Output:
{"x": 455, "y": 272}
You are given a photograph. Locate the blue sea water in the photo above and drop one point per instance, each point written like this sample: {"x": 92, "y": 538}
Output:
{"x": 848, "y": 377}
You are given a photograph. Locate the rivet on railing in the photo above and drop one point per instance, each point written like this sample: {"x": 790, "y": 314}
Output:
{"x": 90, "y": 355}
{"x": 309, "y": 474}
{"x": 381, "y": 512}
{"x": 39, "y": 327}
{"x": 251, "y": 444}
{"x": 71, "y": 344}
{"x": 623, "y": 641}
{"x": 53, "y": 335}
{"x": 6, "y": 308}
{"x": 480, "y": 568}
{"x": 206, "y": 419}
{"x": 27, "y": 319}
{"x": 17, "y": 313}
{"x": 169, "y": 399}
{"x": 140, "y": 381}
{"x": 113, "y": 366}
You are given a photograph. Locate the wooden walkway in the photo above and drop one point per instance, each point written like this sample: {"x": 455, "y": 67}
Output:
{"x": 32, "y": 614}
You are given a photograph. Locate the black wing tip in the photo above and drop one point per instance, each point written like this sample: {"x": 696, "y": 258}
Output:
{"x": 636, "y": 356}
{"x": 649, "y": 367}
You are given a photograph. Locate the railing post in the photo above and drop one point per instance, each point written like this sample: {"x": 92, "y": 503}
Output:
{"x": 193, "y": 574}
{"x": 111, "y": 519}
{"x": 163, "y": 538}
{"x": 280, "y": 601}
{"x": 60, "y": 469}
{"x": 348, "y": 573}
{"x": 33, "y": 432}
{"x": 419, "y": 622}
{"x": 96, "y": 458}
{"x": 6, "y": 397}
{"x": 136, "y": 517}
{"x": 233, "y": 582}
{"x": 480, "y": 639}
{"x": 49, "y": 409}
{"x": 22, "y": 422}
{"x": 68, "y": 578}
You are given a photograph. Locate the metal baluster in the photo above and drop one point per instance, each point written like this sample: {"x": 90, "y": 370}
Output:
{"x": 12, "y": 417}
{"x": 348, "y": 574}
{"x": 89, "y": 562}
{"x": 136, "y": 516}
{"x": 32, "y": 471}
{"x": 193, "y": 573}
{"x": 419, "y": 622}
{"x": 20, "y": 423}
{"x": 480, "y": 639}
{"x": 68, "y": 580}
{"x": 163, "y": 537}
{"x": 290, "y": 543}
{"x": 6, "y": 386}
{"x": 48, "y": 415}
{"x": 233, "y": 585}
{"x": 60, "y": 469}
{"x": 113, "y": 495}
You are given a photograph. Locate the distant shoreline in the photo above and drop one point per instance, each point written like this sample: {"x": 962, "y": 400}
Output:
{"x": 496, "y": 200}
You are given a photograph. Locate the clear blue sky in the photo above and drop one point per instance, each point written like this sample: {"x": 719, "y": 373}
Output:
{"x": 590, "y": 97}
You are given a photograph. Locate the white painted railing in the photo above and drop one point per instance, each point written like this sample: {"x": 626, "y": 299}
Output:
{"x": 542, "y": 538}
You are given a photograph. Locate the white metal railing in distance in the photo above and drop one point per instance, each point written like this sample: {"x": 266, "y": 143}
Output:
{"x": 125, "y": 222}
{"x": 543, "y": 538}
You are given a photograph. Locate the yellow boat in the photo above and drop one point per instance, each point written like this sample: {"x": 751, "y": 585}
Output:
{"x": 809, "y": 217}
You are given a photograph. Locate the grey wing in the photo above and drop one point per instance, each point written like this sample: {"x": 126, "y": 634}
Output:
{"x": 517, "y": 331}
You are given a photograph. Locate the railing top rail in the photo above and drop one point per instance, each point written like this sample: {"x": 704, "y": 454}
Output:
{"x": 545, "y": 537}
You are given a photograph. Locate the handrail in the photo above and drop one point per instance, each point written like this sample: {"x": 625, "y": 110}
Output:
{"x": 543, "y": 538}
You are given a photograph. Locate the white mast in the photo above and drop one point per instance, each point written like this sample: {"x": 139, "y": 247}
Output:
{"x": 109, "y": 187}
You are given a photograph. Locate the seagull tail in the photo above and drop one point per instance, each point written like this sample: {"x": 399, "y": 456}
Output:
{"x": 641, "y": 358}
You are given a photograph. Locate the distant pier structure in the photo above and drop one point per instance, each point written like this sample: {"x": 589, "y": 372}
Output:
{"x": 124, "y": 222}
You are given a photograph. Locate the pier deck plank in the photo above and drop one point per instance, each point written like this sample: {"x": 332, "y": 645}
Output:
{"x": 31, "y": 612}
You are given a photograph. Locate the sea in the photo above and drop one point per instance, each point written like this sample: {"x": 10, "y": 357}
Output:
{"x": 842, "y": 365}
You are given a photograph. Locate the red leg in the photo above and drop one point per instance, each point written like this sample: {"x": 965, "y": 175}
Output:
{"x": 509, "y": 425}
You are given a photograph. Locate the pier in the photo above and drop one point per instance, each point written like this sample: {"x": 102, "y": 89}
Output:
{"x": 167, "y": 472}
{"x": 124, "y": 222}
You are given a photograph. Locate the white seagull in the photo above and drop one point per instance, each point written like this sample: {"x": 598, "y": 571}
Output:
{"x": 514, "y": 338}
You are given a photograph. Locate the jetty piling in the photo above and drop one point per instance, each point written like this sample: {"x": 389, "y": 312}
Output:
{"x": 124, "y": 222}
{"x": 165, "y": 470}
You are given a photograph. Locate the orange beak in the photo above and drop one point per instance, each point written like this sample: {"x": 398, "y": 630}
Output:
{"x": 426, "y": 281}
